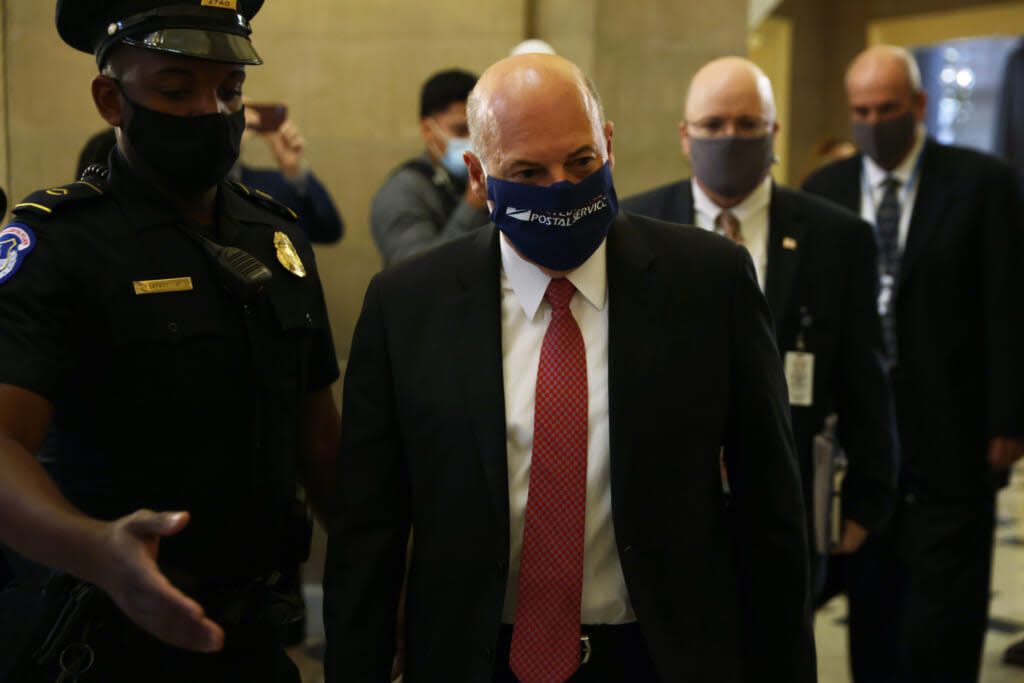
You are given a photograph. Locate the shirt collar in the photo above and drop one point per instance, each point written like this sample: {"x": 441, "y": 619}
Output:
{"x": 876, "y": 175}
{"x": 754, "y": 202}
{"x": 529, "y": 283}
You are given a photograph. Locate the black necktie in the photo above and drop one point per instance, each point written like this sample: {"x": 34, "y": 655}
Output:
{"x": 887, "y": 221}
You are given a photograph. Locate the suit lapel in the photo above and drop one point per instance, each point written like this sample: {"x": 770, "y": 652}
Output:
{"x": 684, "y": 207}
{"x": 634, "y": 305}
{"x": 786, "y": 242}
{"x": 479, "y": 361}
{"x": 933, "y": 194}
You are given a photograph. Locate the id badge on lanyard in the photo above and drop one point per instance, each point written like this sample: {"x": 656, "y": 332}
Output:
{"x": 799, "y": 366}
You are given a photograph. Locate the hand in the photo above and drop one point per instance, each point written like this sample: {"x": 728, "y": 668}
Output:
{"x": 135, "y": 583}
{"x": 1003, "y": 452}
{"x": 287, "y": 144}
{"x": 851, "y": 538}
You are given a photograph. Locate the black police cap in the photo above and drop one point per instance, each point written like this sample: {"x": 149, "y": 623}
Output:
{"x": 208, "y": 29}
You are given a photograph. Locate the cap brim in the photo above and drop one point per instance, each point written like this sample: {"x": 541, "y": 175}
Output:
{"x": 203, "y": 44}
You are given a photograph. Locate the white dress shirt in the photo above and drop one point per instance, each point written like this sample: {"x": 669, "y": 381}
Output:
{"x": 873, "y": 180}
{"x": 752, "y": 214}
{"x": 524, "y": 320}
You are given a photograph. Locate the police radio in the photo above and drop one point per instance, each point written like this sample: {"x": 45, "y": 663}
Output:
{"x": 241, "y": 273}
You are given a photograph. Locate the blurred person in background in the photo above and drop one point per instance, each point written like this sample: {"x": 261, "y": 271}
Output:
{"x": 427, "y": 200}
{"x": 950, "y": 233}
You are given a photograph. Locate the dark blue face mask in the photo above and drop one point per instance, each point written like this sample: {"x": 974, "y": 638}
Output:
{"x": 558, "y": 226}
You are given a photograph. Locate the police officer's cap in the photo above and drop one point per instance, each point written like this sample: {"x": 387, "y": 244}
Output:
{"x": 208, "y": 29}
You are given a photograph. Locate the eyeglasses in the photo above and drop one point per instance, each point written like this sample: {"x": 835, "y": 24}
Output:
{"x": 720, "y": 127}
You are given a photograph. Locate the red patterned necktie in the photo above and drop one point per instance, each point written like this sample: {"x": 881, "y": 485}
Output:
{"x": 546, "y": 635}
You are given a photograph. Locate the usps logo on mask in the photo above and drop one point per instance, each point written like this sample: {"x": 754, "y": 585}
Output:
{"x": 16, "y": 240}
{"x": 519, "y": 214}
{"x": 559, "y": 219}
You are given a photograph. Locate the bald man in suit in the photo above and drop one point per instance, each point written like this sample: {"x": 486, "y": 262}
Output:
{"x": 951, "y": 233}
{"x": 647, "y": 575}
{"x": 816, "y": 265}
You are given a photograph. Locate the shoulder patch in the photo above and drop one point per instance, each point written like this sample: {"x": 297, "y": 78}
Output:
{"x": 263, "y": 199}
{"x": 16, "y": 241}
{"x": 46, "y": 202}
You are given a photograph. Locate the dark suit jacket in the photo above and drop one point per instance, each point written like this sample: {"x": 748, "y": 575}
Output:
{"x": 960, "y": 376}
{"x": 721, "y": 593}
{"x": 821, "y": 259}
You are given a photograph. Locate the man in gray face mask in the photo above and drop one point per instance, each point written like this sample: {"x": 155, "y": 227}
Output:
{"x": 816, "y": 265}
{"x": 948, "y": 224}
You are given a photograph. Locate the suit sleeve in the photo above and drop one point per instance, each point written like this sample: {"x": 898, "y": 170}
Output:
{"x": 1003, "y": 273}
{"x": 766, "y": 507}
{"x": 863, "y": 399}
{"x": 370, "y": 526}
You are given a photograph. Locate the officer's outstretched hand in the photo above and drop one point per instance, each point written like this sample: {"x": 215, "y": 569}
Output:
{"x": 145, "y": 595}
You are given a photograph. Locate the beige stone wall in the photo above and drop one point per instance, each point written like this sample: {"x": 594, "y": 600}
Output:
{"x": 49, "y": 107}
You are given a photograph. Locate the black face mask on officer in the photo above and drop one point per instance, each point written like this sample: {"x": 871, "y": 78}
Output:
{"x": 191, "y": 153}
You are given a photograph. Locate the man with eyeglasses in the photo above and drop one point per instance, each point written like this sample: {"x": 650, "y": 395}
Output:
{"x": 816, "y": 265}
{"x": 426, "y": 200}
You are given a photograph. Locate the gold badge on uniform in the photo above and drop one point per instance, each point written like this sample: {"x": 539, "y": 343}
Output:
{"x": 788, "y": 243}
{"x": 287, "y": 255}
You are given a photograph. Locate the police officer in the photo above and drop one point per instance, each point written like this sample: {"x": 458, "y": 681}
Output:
{"x": 171, "y": 328}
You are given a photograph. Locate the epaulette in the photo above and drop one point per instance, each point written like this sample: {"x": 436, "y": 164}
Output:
{"x": 263, "y": 199}
{"x": 46, "y": 202}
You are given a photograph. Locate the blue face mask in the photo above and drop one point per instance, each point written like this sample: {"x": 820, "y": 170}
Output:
{"x": 452, "y": 159}
{"x": 559, "y": 226}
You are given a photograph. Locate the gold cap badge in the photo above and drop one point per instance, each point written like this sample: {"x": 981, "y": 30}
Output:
{"x": 287, "y": 255}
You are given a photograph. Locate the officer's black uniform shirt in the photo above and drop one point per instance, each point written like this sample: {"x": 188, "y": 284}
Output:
{"x": 177, "y": 400}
